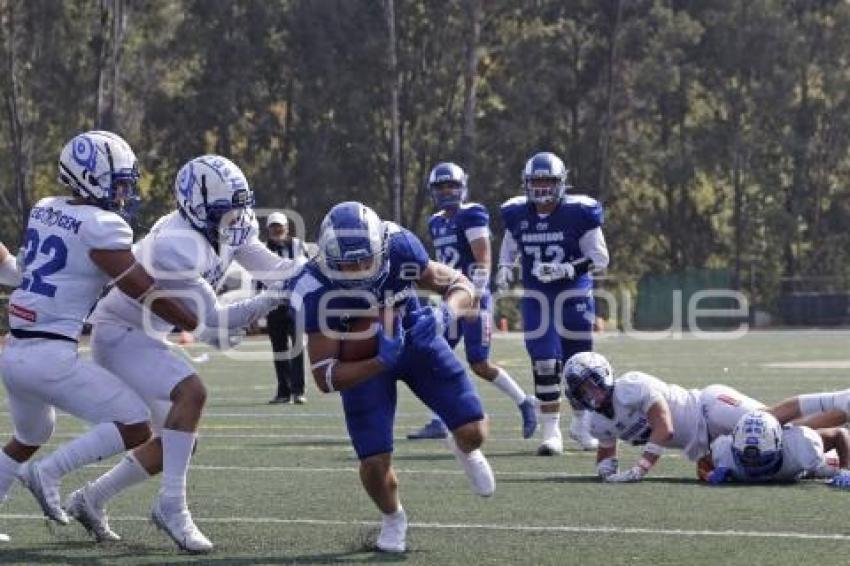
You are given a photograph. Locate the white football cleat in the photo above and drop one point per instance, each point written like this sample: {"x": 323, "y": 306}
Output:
{"x": 180, "y": 527}
{"x": 93, "y": 520}
{"x": 580, "y": 431}
{"x": 552, "y": 446}
{"x": 393, "y": 533}
{"x": 476, "y": 467}
{"x": 45, "y": 492}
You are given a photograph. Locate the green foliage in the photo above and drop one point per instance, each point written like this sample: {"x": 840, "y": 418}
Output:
{"x": 717, "y": 133}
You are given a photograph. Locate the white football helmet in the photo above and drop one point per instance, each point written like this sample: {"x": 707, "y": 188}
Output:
{"x": 353, "y": 246}
{"x": 757, "y": 444}
{"x": 213, "y": 195}
{"x": 544, "y": 178}
{"x": 101, "y": 167}
{"x": 589, "y": 380}
{"x": 448, "y": 185}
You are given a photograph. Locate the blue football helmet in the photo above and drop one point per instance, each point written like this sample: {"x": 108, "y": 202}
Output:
{"x": 447, "y": 183}
{"x": 589, "y": 380}
{"x": 102, "y": 168}
{"x": 353, "y": 246}
{"x": 213, "y": 195}
{"x": 544, "y": 178}
{"x": 757, "y": 444}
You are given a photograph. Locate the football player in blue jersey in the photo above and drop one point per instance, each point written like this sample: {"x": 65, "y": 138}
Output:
{"x": 460, "y": 232}
{"x": 369, "y": 267}
{"x": 558, "y": 239}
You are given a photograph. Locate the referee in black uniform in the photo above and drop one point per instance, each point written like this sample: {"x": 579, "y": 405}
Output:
{"x": 281, "y": 322}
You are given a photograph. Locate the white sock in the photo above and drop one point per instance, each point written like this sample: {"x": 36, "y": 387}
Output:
{"x": 176, "y": 452}
{"x": 8, "y": 473}
{"x": 435, "y": 417}
{"x": 509, "y": 387}
{"x": 814, "y": 403}
{"x": 126, "y": 473}
{"x": 101, "y": 441}
{"x": 551, "y": 424}
{"x": 399, "y": 513}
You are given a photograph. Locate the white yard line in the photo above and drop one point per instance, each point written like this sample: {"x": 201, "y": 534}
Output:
{"x": 516, "y": 528}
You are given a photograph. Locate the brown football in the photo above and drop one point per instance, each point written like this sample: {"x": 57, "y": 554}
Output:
{"x": 356, "y": 348}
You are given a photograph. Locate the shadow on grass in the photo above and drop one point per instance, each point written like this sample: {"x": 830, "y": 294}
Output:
{"x": 591, "y": 479}
{"x": 362, "y": 551}
{"x": 57, "y": 553}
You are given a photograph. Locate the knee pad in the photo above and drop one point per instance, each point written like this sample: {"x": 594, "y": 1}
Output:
{"x": 547, "y": 381}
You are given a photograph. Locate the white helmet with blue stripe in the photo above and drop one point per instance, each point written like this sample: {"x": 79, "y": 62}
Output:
{"x": 101, "y": 167}
{"x": 353, "y": 246}
{"x": 213, "y": 195}
{"x": 544, "y": 178}
{"x": 447, "y": 183}
{"x": 757, "y": 444}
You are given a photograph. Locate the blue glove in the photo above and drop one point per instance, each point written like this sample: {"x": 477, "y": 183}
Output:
{"x": 390, "y": 348}
{"x": 841, "y": 479}
{"x": 429, "y": 323}
{"x": 718, "y": 475}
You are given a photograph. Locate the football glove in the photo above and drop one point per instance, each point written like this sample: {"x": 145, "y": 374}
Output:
{"x": 504, "y": 277}
{"x": 546, "y": 272}
{"x": 390, "y": 347}
{"x": 429, "y": 322}
{"x": 607, "y": 467}
{"x": 841, "y": 479}
{"x": 480, "y": 279}
{"x": 631, "y": 475}
{"x": 718, "y": 475}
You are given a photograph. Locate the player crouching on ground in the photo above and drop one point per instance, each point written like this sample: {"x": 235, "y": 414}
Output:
{"x": 643, "y": 410}
{"x": 761, "y": 450}
{"x": 365, "y": 264}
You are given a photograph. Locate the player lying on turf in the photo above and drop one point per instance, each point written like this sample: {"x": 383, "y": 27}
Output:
{"x": 643, "y": 410}
{"x": 460, "y": 232}
{"x": 365, "y": 264}
{"x": 762, "y": 450}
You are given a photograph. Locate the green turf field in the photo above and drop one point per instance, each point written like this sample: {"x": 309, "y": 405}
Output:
{"x": 278, "y": 484}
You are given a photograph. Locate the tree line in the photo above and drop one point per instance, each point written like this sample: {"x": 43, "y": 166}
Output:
{"x": 716, "y": 132}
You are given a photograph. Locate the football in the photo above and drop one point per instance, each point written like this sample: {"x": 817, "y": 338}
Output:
{"x": 353, "y": 348}
{"x": 361, "y": 340}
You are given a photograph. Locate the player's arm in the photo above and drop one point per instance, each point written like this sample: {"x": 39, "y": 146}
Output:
{"x": 265, "y": 265}
{"x": 483, "y": 254}
{"x": 594, "y": 251}
{"x": 606, "y": 458}
{"x": 10, "y": 274}
{"x": 508, "y": 254}
{"x": 135, "y": 282}
{"x": 661, "y": 422}
{"x": 332, "y": 374}
{"x": 451, "y": 284}
{"x": 837, "y": 439}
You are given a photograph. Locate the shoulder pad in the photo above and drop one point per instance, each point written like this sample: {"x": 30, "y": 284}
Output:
{"x": 104, "y": 230}
{"x": 583, "y": 200}
{"x": 520, "y": 200}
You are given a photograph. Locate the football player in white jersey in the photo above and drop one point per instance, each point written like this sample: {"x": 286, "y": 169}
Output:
{"x": 643, "y": 410}
{"x": 761, "y": 450}
{"x": 10, "y": 274}
{"x": 188, "y": 251}
{"x": 72, "y": 247}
